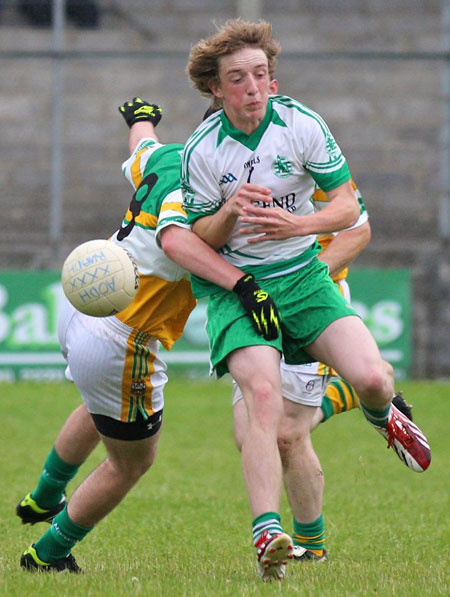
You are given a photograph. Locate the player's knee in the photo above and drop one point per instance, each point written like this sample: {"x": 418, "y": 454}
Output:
{"x": 137, "y": 469}
{"x": 133, "y": 469}
{"x": 147, "y": 461}
{"x": 266, "y": 406}
{"x": 292, "y": 439}
{"x": 389, "y": 370}
{"x": 375, "y": 383}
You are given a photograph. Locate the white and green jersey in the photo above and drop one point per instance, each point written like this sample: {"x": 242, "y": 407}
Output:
{"x": 290, "y": 151}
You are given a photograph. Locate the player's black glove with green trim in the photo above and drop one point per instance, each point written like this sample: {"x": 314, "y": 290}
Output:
{"x": 139, "y": 110}
{"x": 260, "y": 307}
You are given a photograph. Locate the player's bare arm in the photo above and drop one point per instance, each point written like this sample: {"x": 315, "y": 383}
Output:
{"x": 278, "y": 224}
{"x": 188, "y": 250}
{"x": 345, "y": 248}
{"x": 216, "y": 229}
{"x": 139, "y": 131}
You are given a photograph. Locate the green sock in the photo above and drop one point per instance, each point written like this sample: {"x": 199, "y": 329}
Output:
{"x": 326, "y": 408}
{"x": 310, "y": 535}
{"x": 53, "y": 481}
{"x": 339, "y": 397}
{"x": 270, "y": 521}
{"x": 58, "y": 541}
{"x": 378, "y": 418}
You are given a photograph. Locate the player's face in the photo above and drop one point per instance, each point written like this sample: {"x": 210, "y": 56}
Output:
{"x": 244, "y": 87}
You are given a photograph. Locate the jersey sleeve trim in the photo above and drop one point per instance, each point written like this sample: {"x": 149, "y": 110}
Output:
{"x": 173, "y": 206}
{"x": 133, "y": 166}
{"x": 175, "y": 221}
{"x": 135, "y": 170}
{"x": 194, "y": 216}
{"x": 145, "y": 220}
{"x": 330, "y": 180}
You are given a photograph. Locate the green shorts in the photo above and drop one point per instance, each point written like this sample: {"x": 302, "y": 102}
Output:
{"x": 308, "y": 301}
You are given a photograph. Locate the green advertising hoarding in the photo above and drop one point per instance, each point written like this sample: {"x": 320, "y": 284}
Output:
{"x": 383, "y": 300}
{"x": 29, "y": 307}
{"x": 30, "y": 303}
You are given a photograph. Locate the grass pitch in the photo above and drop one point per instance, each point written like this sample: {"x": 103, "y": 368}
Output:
{"x": 185, "y": 529}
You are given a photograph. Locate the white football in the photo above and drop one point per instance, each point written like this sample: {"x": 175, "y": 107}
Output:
{"x": 100, "y": 278}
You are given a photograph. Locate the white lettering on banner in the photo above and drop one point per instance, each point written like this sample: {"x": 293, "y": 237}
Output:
{"x": 384, "y": 319}
{"x": 387, "y": 318}
{"x": 32, "y": 323}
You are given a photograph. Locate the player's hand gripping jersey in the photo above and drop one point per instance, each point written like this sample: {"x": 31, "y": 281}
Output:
{"x": 290, "y": 151}
{"x": 164, "y": 299}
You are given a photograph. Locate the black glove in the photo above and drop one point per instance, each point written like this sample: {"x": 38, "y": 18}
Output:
{"x": 260, "y": 307}
{"x": 138, "y": 110}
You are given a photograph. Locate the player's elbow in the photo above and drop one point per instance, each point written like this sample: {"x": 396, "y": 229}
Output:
{"x": 170, "y": 240}
{"x": 352, "y": 213}
{"x": 365, "y": 234}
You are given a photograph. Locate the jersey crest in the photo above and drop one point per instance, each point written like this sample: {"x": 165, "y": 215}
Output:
{"x": 282, "y": 167}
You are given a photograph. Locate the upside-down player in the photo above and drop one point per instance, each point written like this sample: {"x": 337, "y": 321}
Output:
{"x": 114, "y": 361}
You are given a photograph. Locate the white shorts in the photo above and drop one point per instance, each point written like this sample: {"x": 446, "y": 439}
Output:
{"x": 302, "y": 388}
{"x": 115, "y": 367}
